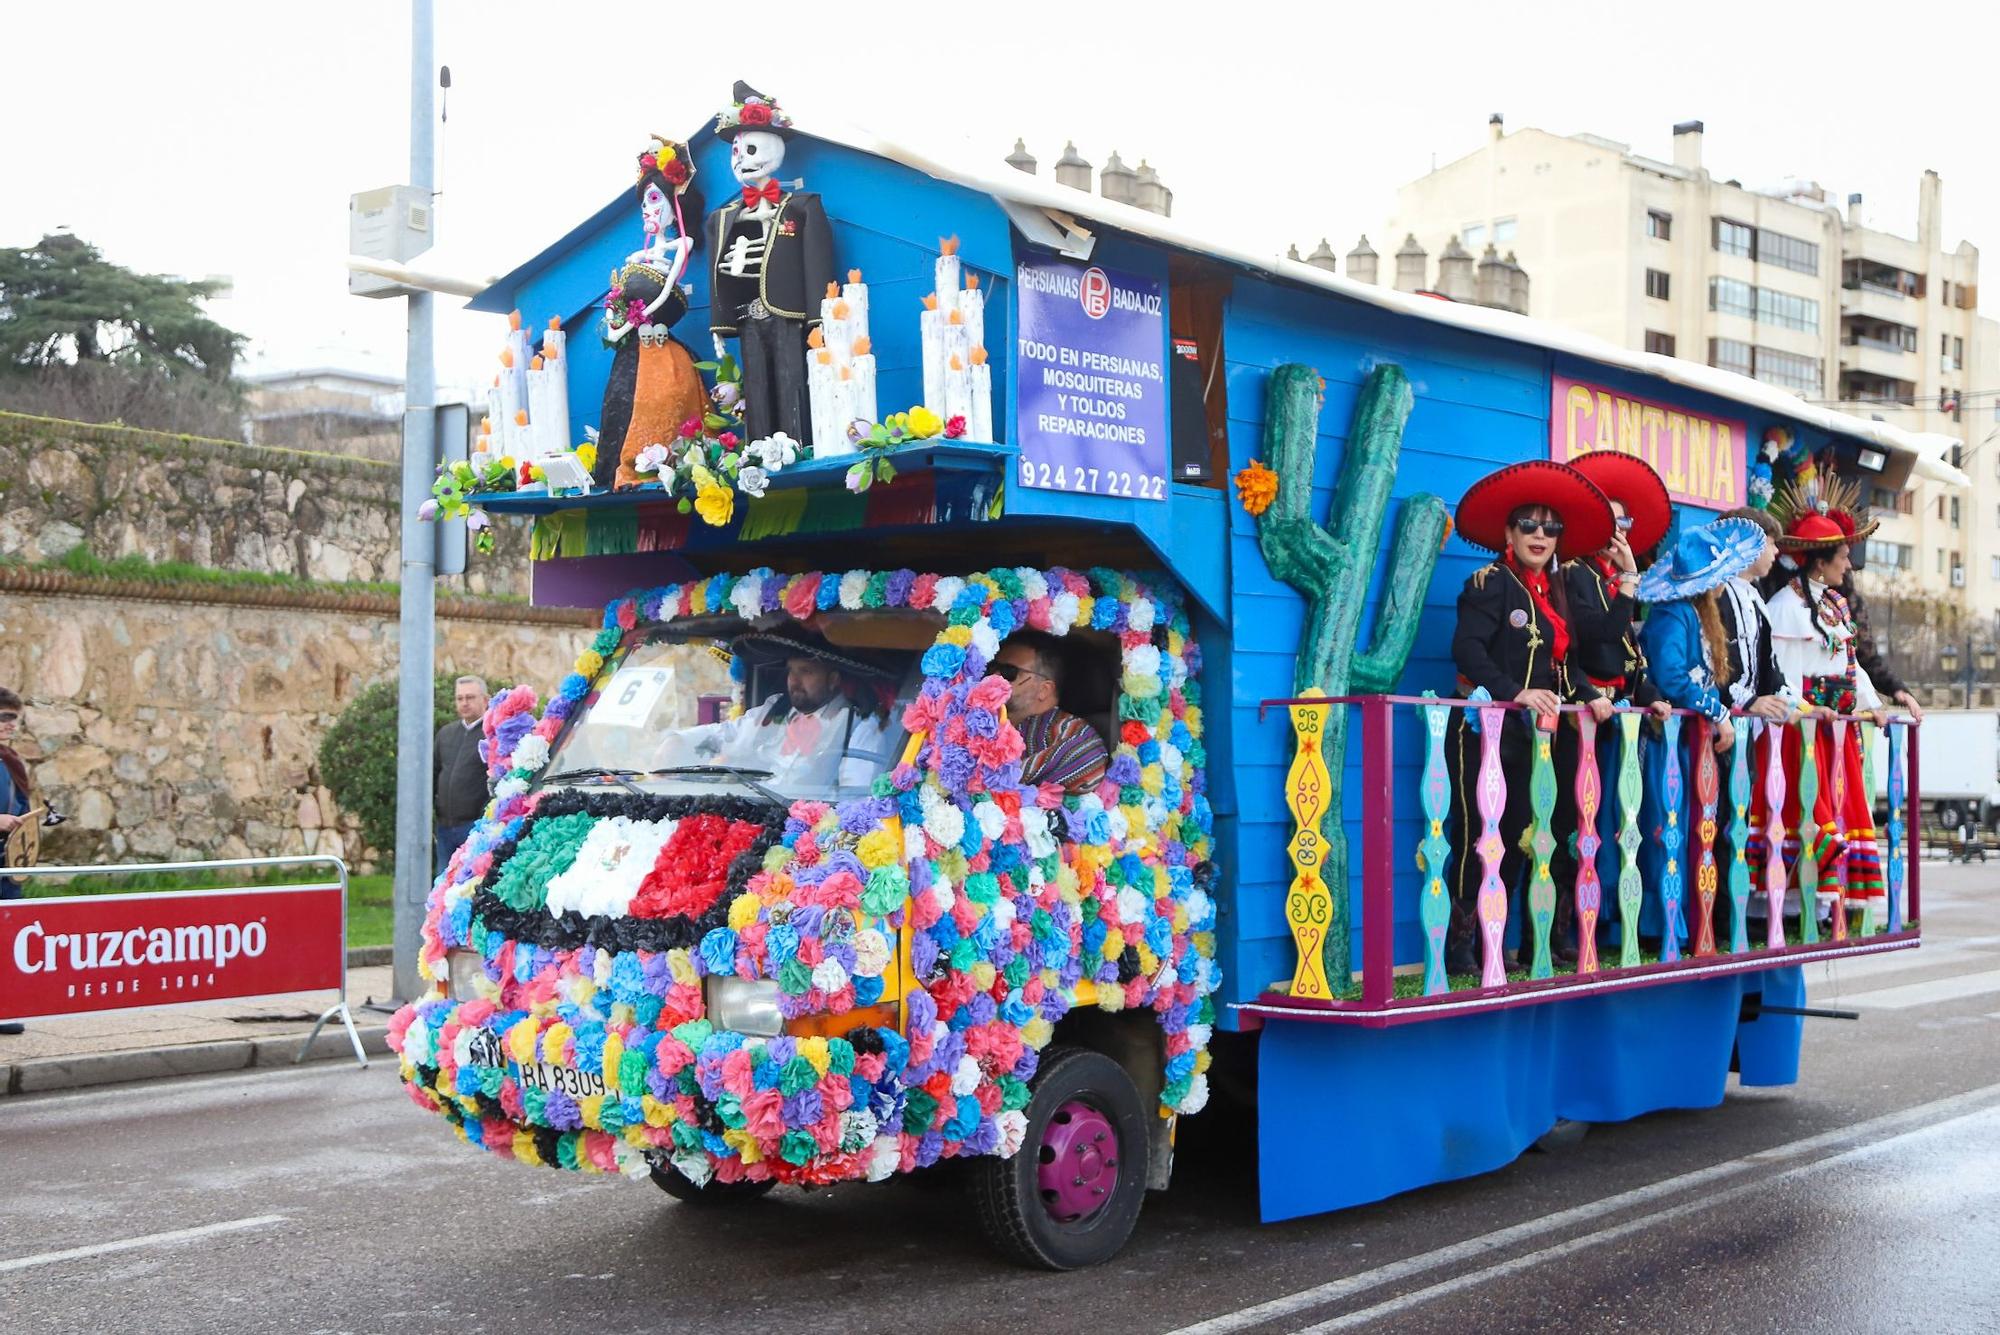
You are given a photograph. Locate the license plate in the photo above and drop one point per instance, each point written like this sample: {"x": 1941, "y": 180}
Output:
{"x": 549, "y": 1078}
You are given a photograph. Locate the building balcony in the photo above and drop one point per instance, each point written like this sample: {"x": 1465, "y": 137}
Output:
{"x": 1877, "y": 302}
{"x": 1878, "y": 357}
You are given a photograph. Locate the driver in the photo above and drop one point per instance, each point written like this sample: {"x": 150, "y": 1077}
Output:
{"x": 821, "y": 730}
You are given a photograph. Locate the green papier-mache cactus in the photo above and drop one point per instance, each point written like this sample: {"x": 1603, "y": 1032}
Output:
{"x": 1333, "y": 565}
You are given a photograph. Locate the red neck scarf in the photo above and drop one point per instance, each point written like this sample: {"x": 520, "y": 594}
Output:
{"x": 1537, "y": 583}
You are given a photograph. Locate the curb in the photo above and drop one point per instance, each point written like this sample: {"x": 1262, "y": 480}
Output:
{"x": 237, "y": 1054}
{"x": 367, "y": 957}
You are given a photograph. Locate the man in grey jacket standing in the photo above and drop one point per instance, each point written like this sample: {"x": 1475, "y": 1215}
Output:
{"x": 458, "y": 775}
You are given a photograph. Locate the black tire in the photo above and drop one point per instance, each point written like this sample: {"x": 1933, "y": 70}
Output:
{"x": 1007, "y": 1193}
{"x": 1949, "y": 816}
{"x": 712, "y": 1196}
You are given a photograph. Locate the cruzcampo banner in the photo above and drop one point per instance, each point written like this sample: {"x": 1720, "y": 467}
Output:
{"x": 1092, "y": 402}
{"x": 1700, "y": 457}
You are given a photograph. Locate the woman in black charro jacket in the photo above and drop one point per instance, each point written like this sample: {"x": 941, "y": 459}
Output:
{"x": 1514, "y": 641}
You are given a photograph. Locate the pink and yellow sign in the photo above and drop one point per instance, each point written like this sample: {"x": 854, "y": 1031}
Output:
{"x": 1701, "y": 458}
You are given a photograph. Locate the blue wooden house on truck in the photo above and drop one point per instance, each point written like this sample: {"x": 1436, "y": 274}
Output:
{"x": 1374, "y": 1075}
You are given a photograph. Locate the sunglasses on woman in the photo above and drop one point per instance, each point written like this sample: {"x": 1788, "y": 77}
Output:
{"x": 1530, "y": 527}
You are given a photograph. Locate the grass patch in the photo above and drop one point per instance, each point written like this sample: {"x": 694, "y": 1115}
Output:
{"x": 80, "y": 560}
{"x": 370, "y": 899}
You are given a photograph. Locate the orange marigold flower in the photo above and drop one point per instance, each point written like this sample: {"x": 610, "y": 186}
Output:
{"x": 1256, "y": 487}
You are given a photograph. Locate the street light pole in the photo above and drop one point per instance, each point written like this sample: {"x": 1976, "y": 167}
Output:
{"x": 417, "y": 650}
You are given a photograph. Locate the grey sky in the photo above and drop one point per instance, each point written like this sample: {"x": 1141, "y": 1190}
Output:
{"x": 225, "y": 138}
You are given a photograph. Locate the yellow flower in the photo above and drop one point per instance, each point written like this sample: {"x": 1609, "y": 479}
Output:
{"x": 586, "y": 454}
{"x": 924, "y": 423}
{"x": 1256, "y": 487}
{"x": 743, "y": 911}
{"x": 715, "y": 504}
{"x": 680, "y": 964}
{"x": 877, "y": 848}
{"x": 814, "y": 1050}
{"x": 589, "y": 663}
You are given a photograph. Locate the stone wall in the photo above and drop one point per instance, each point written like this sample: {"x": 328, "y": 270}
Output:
{"x": 182, "y": 720}
{"x": 172, "y": 729}
{"x": 218, "y": 504}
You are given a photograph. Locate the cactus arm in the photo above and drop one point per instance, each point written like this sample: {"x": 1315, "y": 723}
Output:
{"x": 1420, "y": 533}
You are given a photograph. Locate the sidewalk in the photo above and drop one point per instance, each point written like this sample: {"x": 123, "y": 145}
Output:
{"x": 196, "y": 1039}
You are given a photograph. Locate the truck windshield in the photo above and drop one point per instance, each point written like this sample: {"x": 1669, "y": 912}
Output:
{"x": 807, "y": 734}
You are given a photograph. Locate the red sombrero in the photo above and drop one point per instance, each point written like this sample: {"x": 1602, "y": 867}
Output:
{"x": 1631, "y": 481}
{"x": 1814, "y": 533}
{"x": 1585, "y": 511}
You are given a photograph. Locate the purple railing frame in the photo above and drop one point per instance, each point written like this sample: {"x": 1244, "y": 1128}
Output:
{"x": 1379, "y": 1005}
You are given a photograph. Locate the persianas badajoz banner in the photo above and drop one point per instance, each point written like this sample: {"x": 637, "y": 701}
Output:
{"x": 1092, "y": 398}
{"x": 115, "y": 952}
{"x": 1701, "y": 458}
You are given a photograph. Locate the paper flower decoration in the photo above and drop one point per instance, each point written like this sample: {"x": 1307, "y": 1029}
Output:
{"x": 1256, "y": 487}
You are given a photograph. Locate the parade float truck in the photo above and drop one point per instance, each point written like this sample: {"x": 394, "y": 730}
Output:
{"x": 1215, "y": 477}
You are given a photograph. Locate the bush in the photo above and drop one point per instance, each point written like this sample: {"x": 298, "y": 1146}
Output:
{"x": 357, "y": 757}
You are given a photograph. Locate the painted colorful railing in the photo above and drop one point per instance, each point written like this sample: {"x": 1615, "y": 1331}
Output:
{"x": 1703, "y": 829}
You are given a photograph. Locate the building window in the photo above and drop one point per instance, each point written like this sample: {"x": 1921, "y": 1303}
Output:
{"x": 1657, "y": 284}
{"x": 1940, "y": 552}
{"x": 1996, "y": 567}
{"x": 1954, "y": 512}
{"x": 1799, "y": 374}
{"x": 1660, "y": 343}
{"x": 1889, "y": 555}
{"x": 1787, "y": 252}
{"x": 1727, "y": 354}
{"x": 1787, "y": 311}
{"x": 1474, "y": 236}
{"x": 1891, "y": 500}
{"x": 1503, "y": 231}
{"x": 1735, "y": 238}
{"x": 1730, "y": 296}
{"x": 1659, "y": 226}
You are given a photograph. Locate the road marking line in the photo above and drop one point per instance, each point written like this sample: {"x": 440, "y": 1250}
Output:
{"x": 1335, "y": 1290}
{"x": 1559, "y": 1250}
{"x": 149, "y": 1240}
{"x": 1927, "y": 993}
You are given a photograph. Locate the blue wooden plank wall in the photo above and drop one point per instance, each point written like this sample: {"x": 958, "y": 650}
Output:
{"x": 1479, "y": 402}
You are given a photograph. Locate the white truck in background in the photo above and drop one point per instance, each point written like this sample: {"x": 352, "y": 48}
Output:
{"x": 1958, "y": 766}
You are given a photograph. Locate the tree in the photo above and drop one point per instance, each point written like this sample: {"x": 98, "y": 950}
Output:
{"x": 89, "y": 340}
{"x": 357, "y": 757}
{"x": 62, "y": 304}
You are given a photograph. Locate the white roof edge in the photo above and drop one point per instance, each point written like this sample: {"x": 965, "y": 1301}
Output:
{"x": 1931, "y": 451}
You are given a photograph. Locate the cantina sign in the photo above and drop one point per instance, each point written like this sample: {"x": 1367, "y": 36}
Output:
{"x": 1701, "y": 458}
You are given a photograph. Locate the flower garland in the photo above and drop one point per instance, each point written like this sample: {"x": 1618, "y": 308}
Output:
{"x": 1014, "y": 902}
{"x": 876, "y": 440}
{"x": 705, "y": 471}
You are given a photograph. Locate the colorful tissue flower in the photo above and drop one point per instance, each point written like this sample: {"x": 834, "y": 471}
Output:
{"x": 1013, "y": 906}
{"x": 1256, "y": 487}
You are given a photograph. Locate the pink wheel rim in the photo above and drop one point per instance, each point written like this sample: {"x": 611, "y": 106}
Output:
{"x": 1079, "y": 1161}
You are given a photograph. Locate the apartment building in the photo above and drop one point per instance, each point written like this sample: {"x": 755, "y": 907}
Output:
{"x": 1776, "y": 283}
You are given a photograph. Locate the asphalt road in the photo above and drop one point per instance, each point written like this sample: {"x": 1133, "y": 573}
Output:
{"x": 1867, "y": 1198}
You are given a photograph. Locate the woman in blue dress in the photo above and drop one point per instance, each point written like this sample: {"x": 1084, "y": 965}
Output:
{"x": 1687, "y": 647}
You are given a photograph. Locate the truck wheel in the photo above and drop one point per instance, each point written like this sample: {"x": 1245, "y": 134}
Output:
{"x": 1071, "y": 1196}
{"x": 1948, "y": 816}
{"x": 713, "y": 1195}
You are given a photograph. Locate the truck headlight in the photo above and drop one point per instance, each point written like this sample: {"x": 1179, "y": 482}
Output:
{"x": 466, "y": 971}
{"x": 745, "y": 1005}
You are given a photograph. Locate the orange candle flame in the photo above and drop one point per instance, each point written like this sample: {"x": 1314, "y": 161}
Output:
{"x": 948, "y": 245}
{"x": 972, "y": 281}
{"x": 534, "y": 363}
{"x": 930, "y": 301}
{"x": 862, "y": 345}
{"x": 815, "y": 339}
{"x": 979, "y": 356}
{"x": 854, "y": 276}
{"x": 832, "y": 290}
{"x": 513, "y": 320}
{"x": 956, "y": 365}
{"x": 840, "y": 310}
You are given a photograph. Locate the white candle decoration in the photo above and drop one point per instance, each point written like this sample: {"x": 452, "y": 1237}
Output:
{"x": 932, "y": 329}
{"x": 539, "y": 412}
{"x": 555, "y": 365}
{"x": 862, "y": 402}
{"x": 957, "y": 390}
{"x": 949, "y": 274}
{"x": 819, "y": 390}
{"x": 972, "y": 311}
{"x": 511, "y": 406}
{"x": 980, "y": 425}
{"x": 855, "y": 294}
